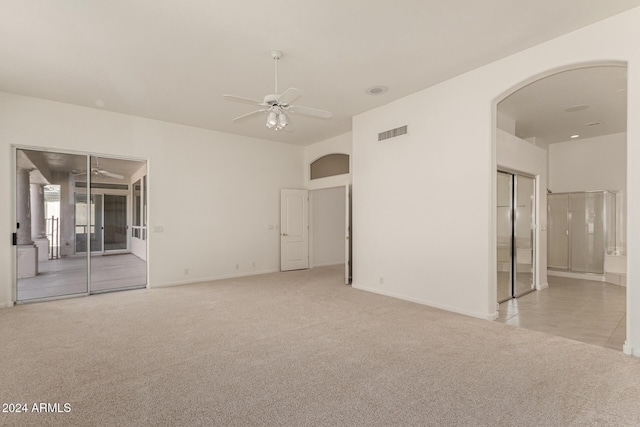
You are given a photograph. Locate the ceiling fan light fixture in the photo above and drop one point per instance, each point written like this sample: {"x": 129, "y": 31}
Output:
{"x": 272, "y": 120}
{"x": 276, "y": 104}
{"x": 282, "y": 121}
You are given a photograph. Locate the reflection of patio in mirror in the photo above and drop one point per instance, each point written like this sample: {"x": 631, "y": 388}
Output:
{"x": 68, "y": 276}
{"x": 68, "y": 204}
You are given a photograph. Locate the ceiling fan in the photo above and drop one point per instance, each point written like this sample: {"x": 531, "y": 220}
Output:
{"x": 100, "y": 173}
{"x": 277, "y": 106}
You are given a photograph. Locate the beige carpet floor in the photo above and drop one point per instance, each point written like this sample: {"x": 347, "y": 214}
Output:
{"x": 295, "y": 349}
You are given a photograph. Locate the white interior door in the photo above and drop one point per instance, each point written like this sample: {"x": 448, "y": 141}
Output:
{"x": 294, "y": 229}
{"x": 347, "y": 233}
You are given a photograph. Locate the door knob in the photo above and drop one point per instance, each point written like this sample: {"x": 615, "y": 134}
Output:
{"x": 284, "y": 234}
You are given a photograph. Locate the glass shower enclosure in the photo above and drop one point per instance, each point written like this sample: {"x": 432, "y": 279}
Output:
{"x": 581, "y": 230}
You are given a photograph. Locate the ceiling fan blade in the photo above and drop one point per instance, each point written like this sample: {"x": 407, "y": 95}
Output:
{"x": 248, "y": 115}
{"x": 312, "y": 112}
{"x": 111, "y": 175}
{"x": 289, "y": 96}
{"x": 242, "y": 100}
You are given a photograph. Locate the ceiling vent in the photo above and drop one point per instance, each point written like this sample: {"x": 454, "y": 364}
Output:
{"x": 402, "y": 130}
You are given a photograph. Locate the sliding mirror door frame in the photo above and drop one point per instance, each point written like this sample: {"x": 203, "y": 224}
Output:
{"x": 521, "y": 219}
{"x": 56, "y": 173}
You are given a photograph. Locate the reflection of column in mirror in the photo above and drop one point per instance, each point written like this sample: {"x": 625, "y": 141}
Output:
{"x": 38, "y": 224}
{"x": 67, "y": 213}
{"x": 27, "y": 254}
{"x": 23, "y": 208}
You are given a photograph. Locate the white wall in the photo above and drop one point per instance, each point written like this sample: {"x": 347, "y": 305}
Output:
{"x": 589, "y": 164}
{"x": 517, "y": 155}
{"x": 424, "y": 203}
{"x": 213, "y": 194}
{"x": 327, "y": 226}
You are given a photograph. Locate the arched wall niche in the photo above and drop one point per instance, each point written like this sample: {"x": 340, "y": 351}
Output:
{"x": 329, "y": 165}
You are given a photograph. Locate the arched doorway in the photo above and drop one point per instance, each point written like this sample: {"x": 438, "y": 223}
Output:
{"x": 567, "y": 128}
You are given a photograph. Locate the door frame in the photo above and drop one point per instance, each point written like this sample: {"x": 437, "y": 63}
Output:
{"x": 348, "y": 235}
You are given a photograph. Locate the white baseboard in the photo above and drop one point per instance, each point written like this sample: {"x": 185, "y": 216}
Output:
{"x": 619, "y": 279}
{"x": 7, "y": 304}
{"x": 421, "y": 301}
{"x": 542, "y": 286}
{"x": 327, "y": 264}
{"x": 572, "y": 275}
{"x": 627, "y": 349}
{"x": 209, "y": 279}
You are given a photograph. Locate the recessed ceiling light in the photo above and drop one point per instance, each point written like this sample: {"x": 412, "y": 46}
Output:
{"x": 377, "y": 90}
{"x": 574, "y": 136}
{"x": 576, "y": 108}
{"x": 593, "y": 123}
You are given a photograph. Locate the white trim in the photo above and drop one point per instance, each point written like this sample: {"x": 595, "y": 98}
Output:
{"x": 328, "y": 264}
{"x": 210, "y": 279}
{"x": 492, "y": 316}
{"x": 541, "y": 286}
{"x": 573, "y": 275}
{"x": 422, "y": 302}
{"x": 13, "y": 216}
{"x": 627, "y": 349}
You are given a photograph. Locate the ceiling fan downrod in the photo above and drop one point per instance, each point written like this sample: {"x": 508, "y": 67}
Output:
{"x": 276, "y": 55}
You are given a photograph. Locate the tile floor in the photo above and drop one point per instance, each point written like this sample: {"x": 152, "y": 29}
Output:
{"x": 68, "y": 276}
{"x": 582, "y": 310}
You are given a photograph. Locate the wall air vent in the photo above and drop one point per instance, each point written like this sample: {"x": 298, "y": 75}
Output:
{"x": 402, "y": 130}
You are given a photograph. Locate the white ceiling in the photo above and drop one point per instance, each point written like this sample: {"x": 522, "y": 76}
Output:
{"x": 173, "y": 60}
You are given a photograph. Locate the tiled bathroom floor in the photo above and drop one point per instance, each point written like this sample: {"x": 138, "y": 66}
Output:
{"x": 582, "y": 310}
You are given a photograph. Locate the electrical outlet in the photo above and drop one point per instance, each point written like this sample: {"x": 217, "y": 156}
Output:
{"x": 381, "y": 280}
{"x": 186, "y": 271}
{"x": 237, "y": 266}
